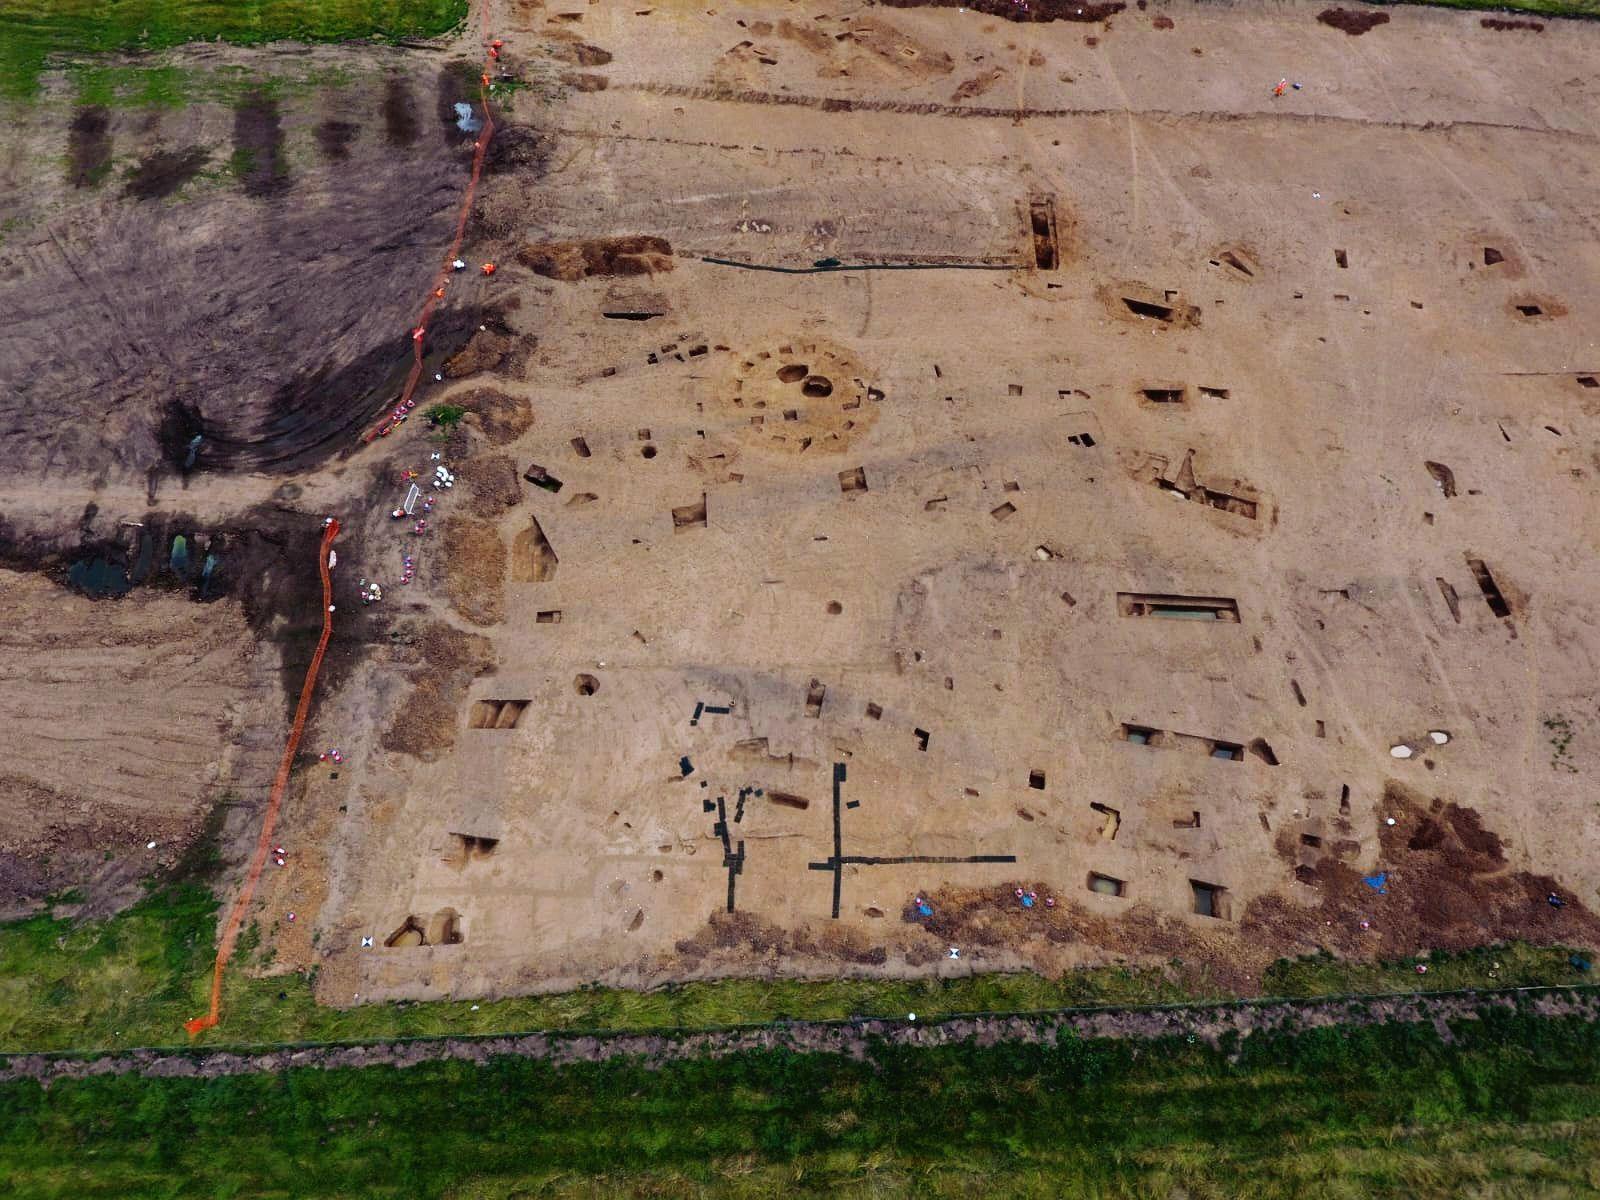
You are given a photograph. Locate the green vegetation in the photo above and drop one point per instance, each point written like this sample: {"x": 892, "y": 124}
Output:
{"x": 1511, "y": 1107}
{"x": 133, "y": 979}
{"x": 1560, "y": 731}
{"x": 1545, "y": 8}
{"x": 34, "y": 32}
{"x": 446, "y": 416}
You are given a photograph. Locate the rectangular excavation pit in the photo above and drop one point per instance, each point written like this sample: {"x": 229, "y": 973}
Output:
{"x": 690, "y": 516}
{"x": 1140, "y": 735}
{"x": 540, "y": 478}
{"x": 1003, "y": 511}
{"x": 922, "y": 738}
{"x": 814, "y": 697}
{"x": 1214, "y": 393}
{"x": 548, "y": 616}
{"x": 1235, "y": 261}
{"x": 1148, "y": 308}
{"x": 1111, "y": 820}
{"x": 1164, "y": 394}
{"x": 533, "y": 559}
{"x": 1452, "y": 601}
{"x": 1487, "y": 585}
{"x": 1210, "y": 899}
{"x": 1239, "y": 506}
{"x": 495, "y": 714}
{"x": 1106, "y": 885}
{"x": 1086, "y": 440}
{"x": 788, "y": 799}
{"x": 467, "y": 847}
{"x": 1036, "y": 780}
{"x": 853, "y": 480}
{"x": 1180, "y": 608}
{"x": 580, "y": 447}
{"x": 1042, "y": 226}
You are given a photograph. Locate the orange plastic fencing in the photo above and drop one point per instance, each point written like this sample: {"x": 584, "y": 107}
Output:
{"x": 241, "y": 905}
{"x": 436, "y": 292}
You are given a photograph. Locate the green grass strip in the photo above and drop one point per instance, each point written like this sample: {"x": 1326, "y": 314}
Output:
{"x": 1510, "y": 1106}
{"x": 131, "y": 980}
{"x": 33, "y": 33}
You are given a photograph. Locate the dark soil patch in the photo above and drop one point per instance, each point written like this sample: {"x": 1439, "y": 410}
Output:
{"x": 164, "y": 173}
{"x": 496, "y": 486}
{"x": 489, "y": 348}
{"x": 633, "y": 254}
{"x": 457, "y": 84}
{"x": 1040, "y": 11}
{"x": 266, "y": 557}
{"x": 447, "y": 660}
{"x": 1447, "y": 888}
{"x": 580, "y": 54}
{"x": 1162, "y": 22}
{"x": 334, "y": 139}
{"x": 316, "y": 412}
{"x": 1355, "y": 22}
{"x": 517, "y": 148}
{"x": 88, "y": 147}
{"x": 400, "y": 112}
{"x": 1503, "y": 24}
{"x": 258, "y": 158}
{"x": 475, "y": 569}
{"x": 749, "y": 937}
{"x": 583, "y": 81}
{"x": 502, "y": 418}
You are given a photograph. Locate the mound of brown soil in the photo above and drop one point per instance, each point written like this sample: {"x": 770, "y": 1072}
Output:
{"x": 632, "y": 254}
{"x": 476, "y": 569}
{"x": 501, "y": 417}
{"x": 486, "y": 351}
{"x": 448, "y": 660}
{"x": 495, "y": 486}
{"x": 580, "y": 53}
{"x": 1355, "y": 22}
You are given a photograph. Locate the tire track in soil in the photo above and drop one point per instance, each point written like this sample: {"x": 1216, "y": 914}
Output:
{"x": 840, "y": 104}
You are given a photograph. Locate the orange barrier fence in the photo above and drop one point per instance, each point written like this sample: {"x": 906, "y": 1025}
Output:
{"x": 440, "y": 283}
{"x": 241, "y": 905}
{"x": 230, "y": 932}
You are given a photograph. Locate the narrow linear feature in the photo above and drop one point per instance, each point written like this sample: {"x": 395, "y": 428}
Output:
{"x": 839, "y": 859}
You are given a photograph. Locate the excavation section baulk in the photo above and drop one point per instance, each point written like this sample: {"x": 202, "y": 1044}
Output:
{"x": 1114, "y": 577}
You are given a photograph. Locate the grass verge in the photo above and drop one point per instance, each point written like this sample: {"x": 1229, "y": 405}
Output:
{"x": 33, "y": 32}
{"x": 132, "y": 980}
{"x": 1509, "y": 1106}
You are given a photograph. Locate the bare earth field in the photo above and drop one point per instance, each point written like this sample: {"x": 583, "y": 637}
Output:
{"x": 1226, "y": 443}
